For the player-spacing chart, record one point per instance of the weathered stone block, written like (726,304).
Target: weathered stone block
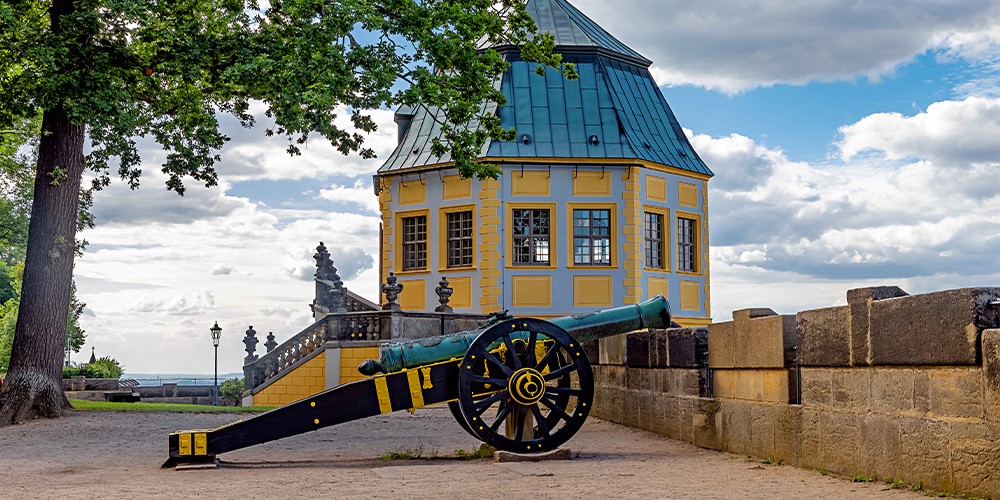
(859,301)
(705,422)
(817,386)
(880,446)
(893,389)
(991,373)
(974,457)
(593,350)
(630,412)
(767,342)
(685,410)
(778,386)
(649,413)
(686,347)
(824,336)
(612,350)
(743,336)
(788,434)
(852,389)
(736,426)
(670,426)
(771,385)
(637,349)
(811,439)
(924,452)
(841,441)
(721,345)
(632,381)
(957,392)
(763,418)
(688,382)
(647,378)
(940,328)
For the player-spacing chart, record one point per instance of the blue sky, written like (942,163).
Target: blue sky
(854,144)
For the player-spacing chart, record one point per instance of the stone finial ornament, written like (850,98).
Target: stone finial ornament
(324,264)
(250,341)
(270,344)
(391,288)
(443,292)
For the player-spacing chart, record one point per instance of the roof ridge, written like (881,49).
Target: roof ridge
(571,27)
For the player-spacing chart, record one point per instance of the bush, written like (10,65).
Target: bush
(106,367)
(231,392)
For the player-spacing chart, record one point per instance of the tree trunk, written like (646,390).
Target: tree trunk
(33,386)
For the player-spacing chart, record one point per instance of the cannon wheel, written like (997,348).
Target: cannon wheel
(561,399)
(557,390)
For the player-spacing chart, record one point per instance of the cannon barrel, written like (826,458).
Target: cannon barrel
(393,357)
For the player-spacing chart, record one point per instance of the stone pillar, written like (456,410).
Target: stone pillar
(859,300)
(991,374)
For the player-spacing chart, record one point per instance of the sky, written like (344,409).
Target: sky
(855,143)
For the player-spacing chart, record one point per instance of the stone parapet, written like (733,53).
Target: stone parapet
(756,338)
(890,386)
(940,328)
(824,336)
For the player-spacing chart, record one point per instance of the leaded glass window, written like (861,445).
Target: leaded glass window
(415,243)
(686,257)
(592,237)
(460,239)
(654,240)
(530,238)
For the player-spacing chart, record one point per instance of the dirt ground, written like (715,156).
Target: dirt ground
(118,455)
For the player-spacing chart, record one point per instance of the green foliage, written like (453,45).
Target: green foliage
(862,478)
(404,454)
(8,320)
(105,367)
(84,405)
(231,392)
(130,68)
(484,451)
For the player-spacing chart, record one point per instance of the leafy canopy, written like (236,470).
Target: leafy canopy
(165,68)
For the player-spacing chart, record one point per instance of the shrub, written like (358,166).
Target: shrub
(106,367)
(231,392)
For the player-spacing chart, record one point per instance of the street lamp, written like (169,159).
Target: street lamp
(216,335)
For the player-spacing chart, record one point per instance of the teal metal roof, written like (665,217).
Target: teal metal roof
(571,28)
(614,110)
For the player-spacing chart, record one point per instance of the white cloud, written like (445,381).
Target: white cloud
(733,45)
(250,155)
(961,133)
(917,209)
(359,196)
(199,303)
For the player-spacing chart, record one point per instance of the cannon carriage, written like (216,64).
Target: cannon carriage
(522,385)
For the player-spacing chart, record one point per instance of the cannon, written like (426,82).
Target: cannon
(523,385)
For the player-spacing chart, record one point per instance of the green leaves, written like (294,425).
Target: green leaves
(165,70)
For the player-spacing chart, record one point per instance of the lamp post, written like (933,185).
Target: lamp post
(216,335)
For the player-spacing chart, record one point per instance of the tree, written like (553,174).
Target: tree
(114,70)
(18,147)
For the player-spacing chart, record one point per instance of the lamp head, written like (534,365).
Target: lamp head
(216,333)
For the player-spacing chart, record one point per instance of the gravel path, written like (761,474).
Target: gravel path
(118,455)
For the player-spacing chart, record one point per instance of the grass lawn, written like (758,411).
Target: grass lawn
(83,405)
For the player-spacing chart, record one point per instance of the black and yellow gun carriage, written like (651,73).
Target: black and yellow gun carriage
(522,385)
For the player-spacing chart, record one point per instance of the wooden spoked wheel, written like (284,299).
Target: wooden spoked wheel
(528,375)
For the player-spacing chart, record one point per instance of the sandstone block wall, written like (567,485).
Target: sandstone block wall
(893,386)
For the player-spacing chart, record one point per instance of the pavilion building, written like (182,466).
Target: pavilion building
(602,199)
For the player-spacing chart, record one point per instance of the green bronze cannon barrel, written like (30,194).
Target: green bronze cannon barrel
(653,313)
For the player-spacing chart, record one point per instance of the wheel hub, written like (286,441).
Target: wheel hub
(526,386)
